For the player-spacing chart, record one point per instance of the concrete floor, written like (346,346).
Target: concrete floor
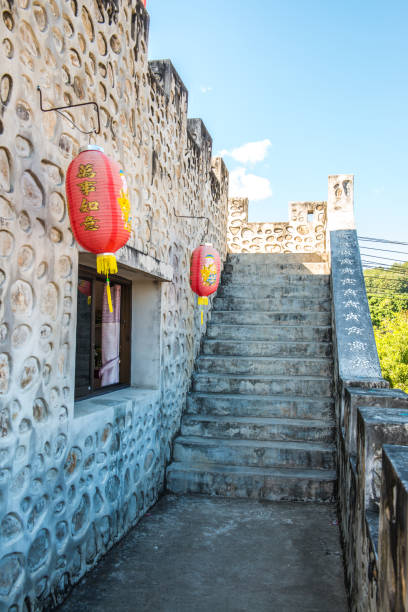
(199,554)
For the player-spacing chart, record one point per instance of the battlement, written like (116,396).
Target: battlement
(304,232)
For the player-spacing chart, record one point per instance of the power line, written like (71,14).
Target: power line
(382,257)
(385,265)
(382,240)
(383,250)
(367,267)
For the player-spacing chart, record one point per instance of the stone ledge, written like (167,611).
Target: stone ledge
(357,358)
(100,404)
(354,397)
(376,427)
(136,263)
(393,536)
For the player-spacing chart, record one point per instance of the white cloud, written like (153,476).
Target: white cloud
(251,152)
(205,88)
(243,185)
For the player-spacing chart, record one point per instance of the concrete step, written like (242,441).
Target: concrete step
(286,406)
(281,317)
(296,304)
(272,278)
(257,348)
(274,258)
(272,291)
(264,366)
(312,386)
(257,428)
(280,333)
(261,269)
(261,453)
(270,484)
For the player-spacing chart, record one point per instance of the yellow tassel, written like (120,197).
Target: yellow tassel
(202,317)
(108,295)
(106,264)
(89,300)
(203,301)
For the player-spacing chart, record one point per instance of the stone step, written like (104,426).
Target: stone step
(312,386)
(284,290)
(262,269)
(276,333)
(286,406)
(260,453)
(269,484)
(256,348)
(274,258)
(258,428)
(273,278)
(250,317)
(264,366)
(296,304)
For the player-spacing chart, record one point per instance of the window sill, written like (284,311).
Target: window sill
(134,264)
(113,400)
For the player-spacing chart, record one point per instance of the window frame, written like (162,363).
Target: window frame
(87,273)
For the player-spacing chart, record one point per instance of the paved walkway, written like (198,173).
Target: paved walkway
(199,554)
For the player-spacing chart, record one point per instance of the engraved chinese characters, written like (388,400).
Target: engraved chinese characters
(99,206)
(356,346)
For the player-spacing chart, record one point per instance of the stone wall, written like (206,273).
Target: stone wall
(304,232)
(73,481)
(369,415)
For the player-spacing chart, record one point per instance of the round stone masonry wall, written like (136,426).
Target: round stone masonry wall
(305,232)
(69,490)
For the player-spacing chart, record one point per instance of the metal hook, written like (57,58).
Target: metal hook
(58,110)
(193,217)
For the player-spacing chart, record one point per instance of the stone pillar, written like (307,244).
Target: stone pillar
(340,202)
(393,559)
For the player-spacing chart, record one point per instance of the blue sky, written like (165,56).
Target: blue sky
(320,86)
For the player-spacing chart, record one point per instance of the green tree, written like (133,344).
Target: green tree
(392,344)
(387,291)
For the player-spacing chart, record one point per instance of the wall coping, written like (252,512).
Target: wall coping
(106,403)
(136,262)
(357,356)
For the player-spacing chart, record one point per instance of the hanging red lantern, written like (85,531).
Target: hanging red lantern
(99,207)
(204,273)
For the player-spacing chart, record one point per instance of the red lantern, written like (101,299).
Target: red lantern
(99,207)
(204,273)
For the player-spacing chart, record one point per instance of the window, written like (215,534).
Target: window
(102,338)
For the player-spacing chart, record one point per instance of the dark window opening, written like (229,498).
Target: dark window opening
(102,338)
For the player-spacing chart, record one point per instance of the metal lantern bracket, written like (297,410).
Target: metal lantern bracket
(194,217)
(58,110)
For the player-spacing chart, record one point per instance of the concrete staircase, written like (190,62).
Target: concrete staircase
(259,421)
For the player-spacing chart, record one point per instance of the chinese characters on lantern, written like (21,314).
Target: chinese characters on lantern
(86,171)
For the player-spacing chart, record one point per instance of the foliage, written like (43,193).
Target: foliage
(387,291)
(392,344)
